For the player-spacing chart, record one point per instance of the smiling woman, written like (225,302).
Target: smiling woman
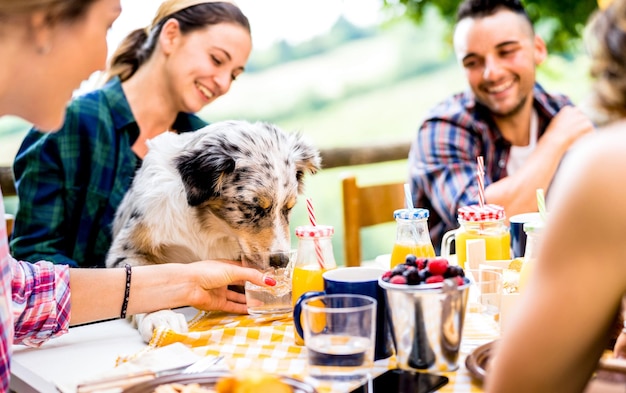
(158,77)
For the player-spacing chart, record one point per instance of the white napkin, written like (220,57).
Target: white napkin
(156,360)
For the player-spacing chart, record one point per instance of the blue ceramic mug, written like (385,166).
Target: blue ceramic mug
(360,281)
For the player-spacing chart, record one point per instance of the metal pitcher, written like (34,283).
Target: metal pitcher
(427,323)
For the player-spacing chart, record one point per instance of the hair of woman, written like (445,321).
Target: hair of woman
(139,45)
(57,10)
(606,44)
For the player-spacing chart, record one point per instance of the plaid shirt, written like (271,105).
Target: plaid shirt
(442,159)
(71,182)
(34,302)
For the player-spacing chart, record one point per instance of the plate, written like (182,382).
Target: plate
(477,362)
(208,380)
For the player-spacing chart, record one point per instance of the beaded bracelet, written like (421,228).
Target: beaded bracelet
(126,291)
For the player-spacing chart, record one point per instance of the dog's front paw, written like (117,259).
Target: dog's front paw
(147,323)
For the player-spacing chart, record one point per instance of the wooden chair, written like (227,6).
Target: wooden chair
(9,219)
(363,207)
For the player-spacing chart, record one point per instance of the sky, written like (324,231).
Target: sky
(271,20)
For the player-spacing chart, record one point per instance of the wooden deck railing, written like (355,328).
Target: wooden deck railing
(331,158)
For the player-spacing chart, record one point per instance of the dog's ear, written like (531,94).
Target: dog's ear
(307,158)
(201,170)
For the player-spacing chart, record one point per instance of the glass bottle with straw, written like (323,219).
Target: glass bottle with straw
(412,236)
(315,256)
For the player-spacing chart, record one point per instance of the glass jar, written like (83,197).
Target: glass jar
(534,232)
(475,222)
(412,236)
(315,256)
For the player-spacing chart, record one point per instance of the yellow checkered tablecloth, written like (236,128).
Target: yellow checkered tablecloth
(267,343)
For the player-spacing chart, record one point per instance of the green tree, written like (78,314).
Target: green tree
(560,22)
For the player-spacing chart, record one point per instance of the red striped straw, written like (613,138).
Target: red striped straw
(318,247)
(481,181)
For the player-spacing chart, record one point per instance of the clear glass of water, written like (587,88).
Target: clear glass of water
(270,300)
(339,334)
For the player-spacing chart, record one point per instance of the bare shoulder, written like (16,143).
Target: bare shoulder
(597,157)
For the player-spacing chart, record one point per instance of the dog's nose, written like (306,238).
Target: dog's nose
(279,260)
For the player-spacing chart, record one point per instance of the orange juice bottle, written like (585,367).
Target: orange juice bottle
(412,236)
(487,222)
(315,256)
(533,236)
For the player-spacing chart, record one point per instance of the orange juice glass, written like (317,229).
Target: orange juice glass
(315,256)
(486,222)
(412,236)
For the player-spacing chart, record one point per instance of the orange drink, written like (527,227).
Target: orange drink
(498,245)
(315,256)
(485,222)
(412,236)
(304,279)
(400,251)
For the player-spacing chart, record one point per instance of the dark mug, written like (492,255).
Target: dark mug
(357,280)
(518,236)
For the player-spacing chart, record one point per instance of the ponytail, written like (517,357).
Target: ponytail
(132,52)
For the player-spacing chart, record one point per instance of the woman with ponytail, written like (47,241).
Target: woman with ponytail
(39,300)
(157,79)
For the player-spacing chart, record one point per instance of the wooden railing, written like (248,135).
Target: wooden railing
(331,158)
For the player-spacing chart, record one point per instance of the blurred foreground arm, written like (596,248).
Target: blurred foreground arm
(575,291)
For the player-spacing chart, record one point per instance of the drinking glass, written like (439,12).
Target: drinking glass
(264,299)
(339,334)
(485,298)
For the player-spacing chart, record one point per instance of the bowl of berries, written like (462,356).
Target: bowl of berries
(426,300)
(424,273)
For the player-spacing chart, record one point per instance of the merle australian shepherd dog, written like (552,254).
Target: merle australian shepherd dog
(212,194)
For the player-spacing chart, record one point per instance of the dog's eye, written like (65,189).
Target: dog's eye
(264,203)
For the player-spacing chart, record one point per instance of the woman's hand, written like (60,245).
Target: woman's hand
(213,278)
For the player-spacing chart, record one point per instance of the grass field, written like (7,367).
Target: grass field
(360,100)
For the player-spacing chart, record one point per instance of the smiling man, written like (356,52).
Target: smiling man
(521,130)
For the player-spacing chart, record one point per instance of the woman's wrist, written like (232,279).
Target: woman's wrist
(159,287)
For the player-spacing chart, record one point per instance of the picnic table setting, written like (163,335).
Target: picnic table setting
(415,322)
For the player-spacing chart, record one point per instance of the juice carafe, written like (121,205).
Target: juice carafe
(533,236)
(476,222)
(412,236)
(315,256)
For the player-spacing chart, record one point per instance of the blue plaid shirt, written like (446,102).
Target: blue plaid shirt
(442,159)
(70,182)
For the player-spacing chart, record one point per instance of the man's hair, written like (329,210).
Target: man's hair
(483,8)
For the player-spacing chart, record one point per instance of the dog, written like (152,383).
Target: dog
(215,193)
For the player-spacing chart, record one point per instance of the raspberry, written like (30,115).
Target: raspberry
(421,263)
(438,266)
(459,280)
(434,279)
(386,275)
(399,279)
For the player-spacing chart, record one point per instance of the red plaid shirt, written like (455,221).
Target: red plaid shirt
(34,302)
